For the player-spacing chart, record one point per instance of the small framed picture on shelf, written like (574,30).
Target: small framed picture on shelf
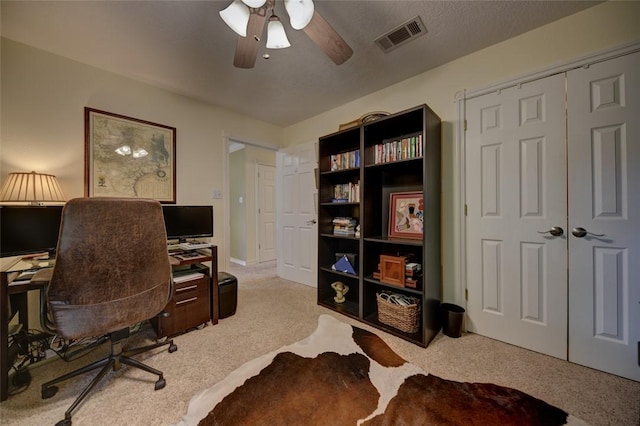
(406,215)
(392,270)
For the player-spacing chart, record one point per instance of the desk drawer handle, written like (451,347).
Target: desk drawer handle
(191,287)
(191,299)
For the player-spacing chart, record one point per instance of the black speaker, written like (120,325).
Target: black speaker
(228,291)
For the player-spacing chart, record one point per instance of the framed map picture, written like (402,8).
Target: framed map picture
(406,215)
(128,157)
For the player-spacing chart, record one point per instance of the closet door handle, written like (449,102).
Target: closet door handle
(556,231)
(580,232)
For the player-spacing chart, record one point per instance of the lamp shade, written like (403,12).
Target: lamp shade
(32,187)
(276,37)
(300,12)
(254,3)
(236,16)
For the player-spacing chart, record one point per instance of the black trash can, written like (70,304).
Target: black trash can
(452,316)
(228,294)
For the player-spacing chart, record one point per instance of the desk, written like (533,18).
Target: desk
(10,272)
(7,275)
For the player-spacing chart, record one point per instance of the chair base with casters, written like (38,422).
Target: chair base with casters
(114,362)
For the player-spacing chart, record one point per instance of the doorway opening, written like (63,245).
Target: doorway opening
(250,240)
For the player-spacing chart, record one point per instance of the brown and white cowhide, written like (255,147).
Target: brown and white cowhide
(344,375)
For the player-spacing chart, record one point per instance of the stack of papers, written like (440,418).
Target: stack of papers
(187,277)
(193,245)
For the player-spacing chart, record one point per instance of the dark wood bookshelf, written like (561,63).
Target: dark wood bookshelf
(377,182)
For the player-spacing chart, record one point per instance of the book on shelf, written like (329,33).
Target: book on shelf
(344,221)
(399,149)
(351,257)
(345,160)
(343,230)
(343,265)
(346,193)
(345,226)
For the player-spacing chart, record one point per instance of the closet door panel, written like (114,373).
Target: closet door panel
(604,199)
(516,192)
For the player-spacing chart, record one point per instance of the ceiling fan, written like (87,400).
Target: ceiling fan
(248,17)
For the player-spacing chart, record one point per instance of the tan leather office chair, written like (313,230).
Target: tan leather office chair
(112,271)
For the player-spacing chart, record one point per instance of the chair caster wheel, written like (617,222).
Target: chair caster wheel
(160,384)
(50,392)
(172,348)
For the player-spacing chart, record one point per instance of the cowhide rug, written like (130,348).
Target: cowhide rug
(344,375)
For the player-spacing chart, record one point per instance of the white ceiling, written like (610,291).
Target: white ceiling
(185,47)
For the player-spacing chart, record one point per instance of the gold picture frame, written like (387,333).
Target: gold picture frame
(128,157)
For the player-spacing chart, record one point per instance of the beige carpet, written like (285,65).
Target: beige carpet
(273,312)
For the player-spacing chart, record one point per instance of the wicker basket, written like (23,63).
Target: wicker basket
(404,318)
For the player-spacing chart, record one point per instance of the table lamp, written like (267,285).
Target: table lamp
(33,187)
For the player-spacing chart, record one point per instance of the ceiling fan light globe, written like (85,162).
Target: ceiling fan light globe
(276,36)
(300,12)
(254,3)
(236,16)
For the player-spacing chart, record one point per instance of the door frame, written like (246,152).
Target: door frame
(459,149)
(228,139)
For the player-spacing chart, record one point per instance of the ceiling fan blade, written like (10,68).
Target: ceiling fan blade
(247,47)
(328,39)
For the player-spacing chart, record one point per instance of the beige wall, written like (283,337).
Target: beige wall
(237,210)
(594,29)
(43,98)
(597,28)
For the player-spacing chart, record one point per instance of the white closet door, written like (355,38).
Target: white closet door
(516,188)
(604,198)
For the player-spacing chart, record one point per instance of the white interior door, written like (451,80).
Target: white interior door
(297,232)
(516,191)
(266,213)
(604,198)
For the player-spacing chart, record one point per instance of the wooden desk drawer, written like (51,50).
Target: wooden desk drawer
(188,308)
(196,288)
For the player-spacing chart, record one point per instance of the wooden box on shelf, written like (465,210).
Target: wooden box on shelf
(392,270)
(400,271)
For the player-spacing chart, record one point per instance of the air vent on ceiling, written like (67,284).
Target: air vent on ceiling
(401,34)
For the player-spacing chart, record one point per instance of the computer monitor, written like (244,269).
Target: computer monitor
(183,222)
(29,229)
